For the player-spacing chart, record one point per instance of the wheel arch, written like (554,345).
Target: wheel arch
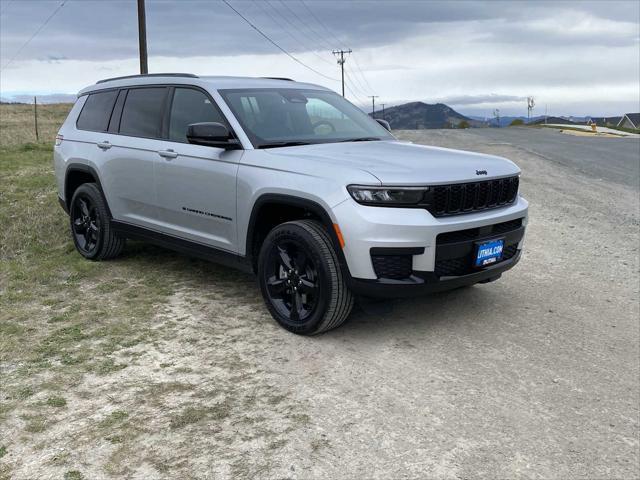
(77,174)
(293,208)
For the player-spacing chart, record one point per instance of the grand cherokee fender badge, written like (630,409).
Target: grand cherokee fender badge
(481,172)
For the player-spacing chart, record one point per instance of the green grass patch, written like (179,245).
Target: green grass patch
(35,423)
(73,475)
(57,402)
(116,417)
(196,414)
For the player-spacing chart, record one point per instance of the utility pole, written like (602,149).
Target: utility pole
(142,37)
(383,111)
(341,63)
(373,103)
(530,104)
(35,115)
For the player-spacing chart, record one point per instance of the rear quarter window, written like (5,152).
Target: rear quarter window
(96,111)
(142,112)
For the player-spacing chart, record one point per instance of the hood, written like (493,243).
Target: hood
(400,163)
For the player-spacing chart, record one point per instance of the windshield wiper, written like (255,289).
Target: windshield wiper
(361,139)
(283,144)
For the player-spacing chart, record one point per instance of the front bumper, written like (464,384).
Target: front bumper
(421,283)
(368,229)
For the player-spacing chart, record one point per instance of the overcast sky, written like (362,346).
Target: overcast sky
(576,58)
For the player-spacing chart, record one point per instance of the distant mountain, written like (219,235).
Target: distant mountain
(550,119)
(418,115)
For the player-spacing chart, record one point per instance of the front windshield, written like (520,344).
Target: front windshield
(273,117)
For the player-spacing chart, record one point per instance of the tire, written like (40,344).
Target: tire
(301,280)
(91,226)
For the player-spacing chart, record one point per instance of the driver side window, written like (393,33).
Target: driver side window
(190,106)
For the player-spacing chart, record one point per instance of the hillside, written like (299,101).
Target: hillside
(418,115)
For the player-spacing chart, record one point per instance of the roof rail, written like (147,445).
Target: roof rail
(280,78)
(187,75)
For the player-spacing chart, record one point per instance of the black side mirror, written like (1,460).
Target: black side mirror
(384,123)
(211,134)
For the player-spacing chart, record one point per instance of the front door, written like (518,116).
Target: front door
(195,184)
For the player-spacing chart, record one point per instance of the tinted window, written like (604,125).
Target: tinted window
(96,111)
(114,123)
(190,106)
(142,112)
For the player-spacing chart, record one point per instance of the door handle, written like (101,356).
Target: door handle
(104,145)
(168,154)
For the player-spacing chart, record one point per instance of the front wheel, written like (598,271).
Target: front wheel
(301,279)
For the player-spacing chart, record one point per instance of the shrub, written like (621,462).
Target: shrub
(463,124)
(516,122)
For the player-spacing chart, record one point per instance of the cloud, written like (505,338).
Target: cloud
(491,99)
(573,54)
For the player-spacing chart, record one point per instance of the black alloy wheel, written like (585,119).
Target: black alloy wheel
(91,226)
(85,223)
(301,279)
(292,280)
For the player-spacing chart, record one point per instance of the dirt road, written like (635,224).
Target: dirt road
(533,376)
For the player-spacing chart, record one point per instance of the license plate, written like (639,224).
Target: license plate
(489,252)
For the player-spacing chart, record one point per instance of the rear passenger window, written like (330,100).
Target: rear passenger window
(142,112)
(190,106)
(96,111)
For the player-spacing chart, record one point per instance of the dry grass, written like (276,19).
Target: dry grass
(17,123)
(144,366)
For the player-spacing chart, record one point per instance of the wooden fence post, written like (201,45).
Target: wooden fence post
(35,116)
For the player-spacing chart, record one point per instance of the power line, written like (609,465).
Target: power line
(276,45)
(282,27)
(302,22)
(357,84)
(338,40)
(349,81)
(34,34)
(355,62)
(322,24)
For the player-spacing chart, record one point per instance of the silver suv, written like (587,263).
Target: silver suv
(286,180)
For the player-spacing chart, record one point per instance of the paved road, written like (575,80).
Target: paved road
(613,159)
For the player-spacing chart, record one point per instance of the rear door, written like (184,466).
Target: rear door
(196,185)
(131,151)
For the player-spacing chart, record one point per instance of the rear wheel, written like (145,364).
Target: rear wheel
(92,233)
(301,280)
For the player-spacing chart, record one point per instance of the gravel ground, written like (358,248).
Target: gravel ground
(533,376)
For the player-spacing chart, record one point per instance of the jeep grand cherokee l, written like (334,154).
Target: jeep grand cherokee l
(286,180)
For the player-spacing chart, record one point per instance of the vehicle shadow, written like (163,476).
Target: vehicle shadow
(462,307)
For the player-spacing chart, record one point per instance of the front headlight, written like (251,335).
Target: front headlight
(390,196)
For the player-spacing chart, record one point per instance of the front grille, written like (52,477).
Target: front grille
(476,233)
(443,200)
(395,267)
(454,267)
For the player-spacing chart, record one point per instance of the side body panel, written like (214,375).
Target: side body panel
(127,171)
(197,193)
